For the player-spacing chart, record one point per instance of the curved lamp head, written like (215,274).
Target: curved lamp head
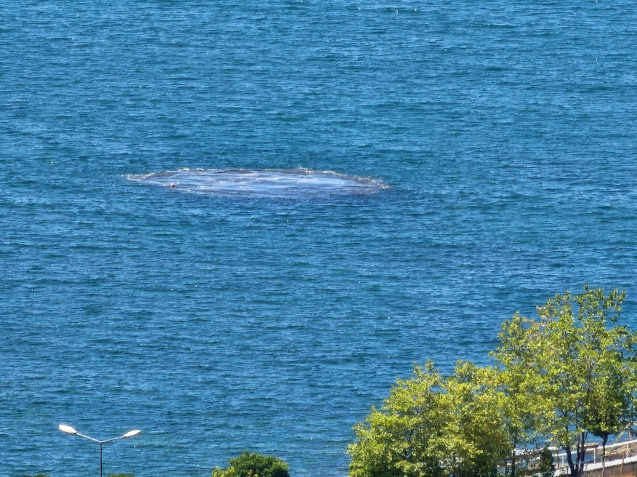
(131,434)
(67,429)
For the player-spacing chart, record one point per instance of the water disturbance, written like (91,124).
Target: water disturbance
(262,183)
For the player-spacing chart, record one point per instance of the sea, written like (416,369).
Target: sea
(233,225)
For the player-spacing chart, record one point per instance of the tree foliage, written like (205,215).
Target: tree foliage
(406,436)
(555,379)
(477,433)
(254,465)
(582,368)
(430,426)
(516,377)
(546,467)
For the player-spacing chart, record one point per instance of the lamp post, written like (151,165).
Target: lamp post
(70,430)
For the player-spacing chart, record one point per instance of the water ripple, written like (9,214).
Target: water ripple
(262,182)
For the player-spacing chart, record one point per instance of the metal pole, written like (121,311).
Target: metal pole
(70,430)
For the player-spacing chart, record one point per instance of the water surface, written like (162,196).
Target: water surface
(217,323)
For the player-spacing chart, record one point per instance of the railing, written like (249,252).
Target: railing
(594,454)
(616,454)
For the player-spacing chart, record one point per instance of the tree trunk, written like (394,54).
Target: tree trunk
(513,464)
(580,453)
(583,459)
(569,458)
(604,440)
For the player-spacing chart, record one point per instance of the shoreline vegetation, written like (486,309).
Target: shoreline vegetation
(555,381)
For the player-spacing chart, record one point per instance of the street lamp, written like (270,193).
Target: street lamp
(70,430)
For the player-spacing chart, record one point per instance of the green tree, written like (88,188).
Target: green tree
(519,381)
(254,465)
(430,426)
(406,436)
(610,412)
(546,467)
(556,379)
(581,366)
(476,435)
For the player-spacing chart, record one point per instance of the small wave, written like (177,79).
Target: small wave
(262,182)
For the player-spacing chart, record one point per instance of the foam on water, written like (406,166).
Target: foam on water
(262,182)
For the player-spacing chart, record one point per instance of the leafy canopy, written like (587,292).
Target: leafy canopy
(556,379)
(580,365)
(254,465)
(430,426)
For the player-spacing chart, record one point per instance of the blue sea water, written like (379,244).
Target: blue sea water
(216,324)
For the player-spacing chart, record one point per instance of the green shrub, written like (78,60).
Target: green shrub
(254,465)
(546,466)
(120,475)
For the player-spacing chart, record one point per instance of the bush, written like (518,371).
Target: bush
(254,465)
(546,467)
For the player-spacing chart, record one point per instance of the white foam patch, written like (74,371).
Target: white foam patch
(262,182)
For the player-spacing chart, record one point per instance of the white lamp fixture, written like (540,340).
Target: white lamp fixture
(70,430)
